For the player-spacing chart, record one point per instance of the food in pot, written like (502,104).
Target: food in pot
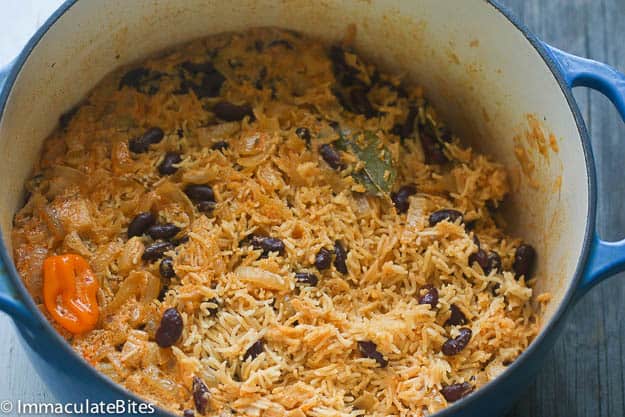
(259,224)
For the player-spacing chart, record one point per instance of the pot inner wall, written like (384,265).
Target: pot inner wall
(483,75)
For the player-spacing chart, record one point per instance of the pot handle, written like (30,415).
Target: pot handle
(605,258)
(10,300)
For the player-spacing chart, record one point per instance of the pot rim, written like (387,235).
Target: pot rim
(450,410)
(560,314)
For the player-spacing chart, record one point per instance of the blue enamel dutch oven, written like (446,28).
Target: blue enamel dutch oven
(485,71)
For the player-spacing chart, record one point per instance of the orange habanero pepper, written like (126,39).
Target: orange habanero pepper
(69,292)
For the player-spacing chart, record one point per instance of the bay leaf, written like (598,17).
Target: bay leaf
(378,173)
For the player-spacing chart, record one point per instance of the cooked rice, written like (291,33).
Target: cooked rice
(88,186)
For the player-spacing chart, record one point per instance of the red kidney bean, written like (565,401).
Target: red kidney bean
(401,198)
(524,261)
(307,278)
(201,395)
(454,392)
(170,329)
(266,244)
(142,143)
(138,145)
(140,224)
(430,297)
(166,167)
(331,156)
(272,244)
(230,112)
(481,257)
(340,257)
(199,192)
(445,214)
(489,261)
(323,259)
(456,318)
(163,231)
(256,349)
(456,345)
(166,268)
(156,250)
(369,350)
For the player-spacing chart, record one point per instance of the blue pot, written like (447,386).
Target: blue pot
(83,40)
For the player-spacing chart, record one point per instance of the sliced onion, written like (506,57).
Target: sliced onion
(61,178)
(261,278)
(169,192)
(134,286)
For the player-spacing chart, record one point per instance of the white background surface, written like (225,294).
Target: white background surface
(18,21)
(18,381)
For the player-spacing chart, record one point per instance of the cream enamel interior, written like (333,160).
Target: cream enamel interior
(480,71)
